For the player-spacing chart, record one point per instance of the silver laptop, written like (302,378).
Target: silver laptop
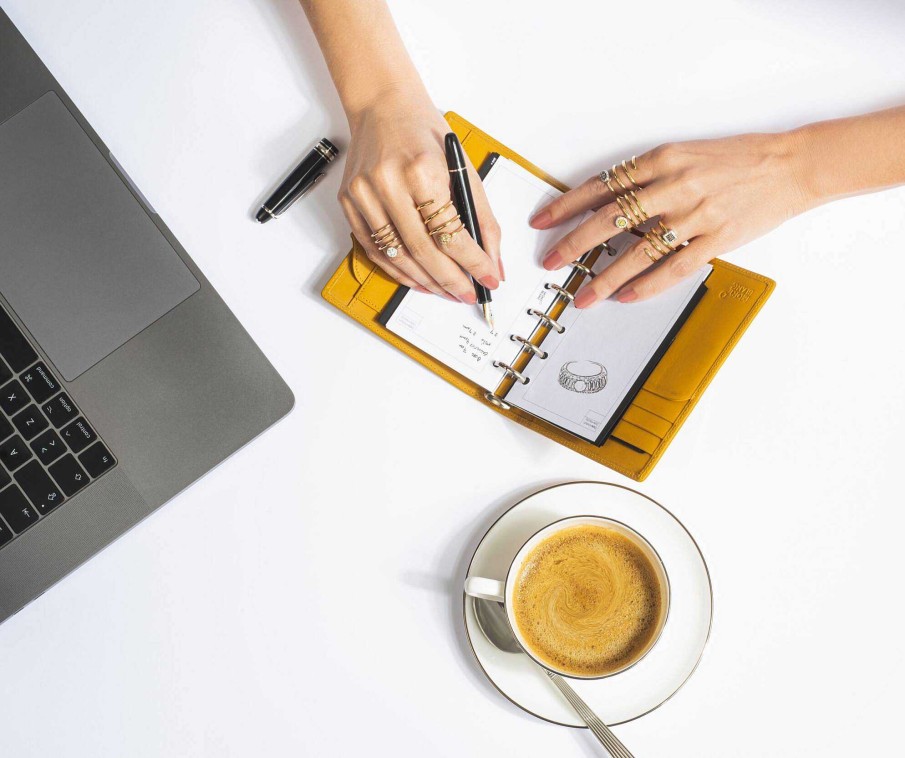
(123,375)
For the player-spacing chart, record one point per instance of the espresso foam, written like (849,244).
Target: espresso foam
(587,601)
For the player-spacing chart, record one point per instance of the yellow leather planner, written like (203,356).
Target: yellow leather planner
(701,323)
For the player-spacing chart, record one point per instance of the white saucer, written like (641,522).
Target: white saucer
(656,677)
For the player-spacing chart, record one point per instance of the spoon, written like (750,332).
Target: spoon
(491,617)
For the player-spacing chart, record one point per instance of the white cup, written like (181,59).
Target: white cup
(501,591)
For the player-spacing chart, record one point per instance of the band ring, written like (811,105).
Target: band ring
(437,212)
(438,229)
(425,204)
(629,173)
(650,255)
(378,232)
(618,180)
(657,244)
(634,198)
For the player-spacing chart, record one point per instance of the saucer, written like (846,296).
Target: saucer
(652,680)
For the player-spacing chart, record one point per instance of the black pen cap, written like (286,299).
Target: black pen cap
(454,152)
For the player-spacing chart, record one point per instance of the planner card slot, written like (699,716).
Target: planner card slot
(637,437)
(648,421)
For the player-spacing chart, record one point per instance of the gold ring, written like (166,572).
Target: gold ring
(632,198)
(384,237)
(634,165)
(392,242)
(628,211)
(618,180)
(650,255)
(657,243)
(621,222)
(608,181)
(437,212)
(629,174)
(381,230)
(447,237)
(442,226)
(421,206)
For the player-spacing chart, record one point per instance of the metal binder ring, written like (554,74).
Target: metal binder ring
(561,290)
(509,370)
(547,320)
(584,269)
(542,354)
(497,401)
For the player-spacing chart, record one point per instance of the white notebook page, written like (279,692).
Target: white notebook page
(456,334)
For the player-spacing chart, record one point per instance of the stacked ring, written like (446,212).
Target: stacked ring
(661,247)
(440,232)
(386,239)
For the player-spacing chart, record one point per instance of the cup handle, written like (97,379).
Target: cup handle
(486,589)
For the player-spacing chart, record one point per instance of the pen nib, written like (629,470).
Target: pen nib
(488,315)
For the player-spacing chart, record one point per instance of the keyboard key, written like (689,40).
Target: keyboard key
(30,422)
(4,478)
(60,410)
(6,428)
(16,510)
(13,345)
(48,447)
(97,459)
(42,492)
(6,534)
(13,453)
(13,398)
(40,383)
(69,475)
(5,373)
(78,435)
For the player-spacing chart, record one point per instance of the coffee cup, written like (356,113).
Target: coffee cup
(585,596)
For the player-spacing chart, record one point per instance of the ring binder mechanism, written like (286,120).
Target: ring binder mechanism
(511,371)
(561,290)
(542,354)
(550,322)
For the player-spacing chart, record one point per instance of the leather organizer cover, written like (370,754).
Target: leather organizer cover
(733,298)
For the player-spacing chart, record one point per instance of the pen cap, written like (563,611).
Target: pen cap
(327,149)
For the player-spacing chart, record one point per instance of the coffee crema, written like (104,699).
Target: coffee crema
(588,601)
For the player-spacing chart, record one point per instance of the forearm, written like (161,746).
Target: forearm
(852,156)
(363,50)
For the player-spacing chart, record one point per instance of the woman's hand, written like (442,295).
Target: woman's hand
(396,162)
(715,194)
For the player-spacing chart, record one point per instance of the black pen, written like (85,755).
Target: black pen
(464,202)
(301,179)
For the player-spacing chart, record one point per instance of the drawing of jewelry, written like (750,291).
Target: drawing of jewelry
(582,376)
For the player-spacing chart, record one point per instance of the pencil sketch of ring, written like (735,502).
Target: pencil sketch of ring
(586,377)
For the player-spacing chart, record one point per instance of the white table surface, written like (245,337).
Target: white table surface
(303,599)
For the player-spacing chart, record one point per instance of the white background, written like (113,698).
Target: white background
(303,599)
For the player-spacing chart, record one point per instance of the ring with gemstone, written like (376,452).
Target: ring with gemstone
(392,251)
(446,238)
(605,176)
(670,237)
(621,222)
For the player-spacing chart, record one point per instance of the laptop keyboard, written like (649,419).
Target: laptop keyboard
(48,450)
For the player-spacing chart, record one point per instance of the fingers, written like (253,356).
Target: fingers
(414,277)
(490,229)
(593,193)
(634,261)
(606,224)
(673,270)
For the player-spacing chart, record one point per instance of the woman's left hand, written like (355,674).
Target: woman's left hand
(715,194)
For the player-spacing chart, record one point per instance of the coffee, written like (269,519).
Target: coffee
(588,601)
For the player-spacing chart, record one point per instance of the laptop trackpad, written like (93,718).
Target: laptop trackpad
(81,262)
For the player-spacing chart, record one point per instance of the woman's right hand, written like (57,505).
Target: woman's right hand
(396,162)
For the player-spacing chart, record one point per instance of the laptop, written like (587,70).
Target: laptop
(123,375)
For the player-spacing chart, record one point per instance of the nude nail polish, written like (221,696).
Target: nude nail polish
(541,220)
(585,298)
(552,260)
(627,296)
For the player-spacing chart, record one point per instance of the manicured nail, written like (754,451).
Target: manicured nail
(627,296)
(469,298)
(490,282)
(502,271)
(419,288)
(552,260)
(585,298)
(541,220)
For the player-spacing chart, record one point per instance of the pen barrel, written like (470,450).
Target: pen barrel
(464,202)
(302,178)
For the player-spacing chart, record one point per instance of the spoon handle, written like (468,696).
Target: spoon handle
(600,730)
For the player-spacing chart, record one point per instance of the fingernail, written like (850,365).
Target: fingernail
(627,296)
(552,261)
(541,220)
(469,298)
(502,272)
(421,289)
(490,282)
(448,296)
(585,298)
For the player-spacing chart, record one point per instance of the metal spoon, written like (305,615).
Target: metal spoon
(491,617)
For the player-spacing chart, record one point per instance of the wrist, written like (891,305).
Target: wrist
(401,96)
(799,148)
